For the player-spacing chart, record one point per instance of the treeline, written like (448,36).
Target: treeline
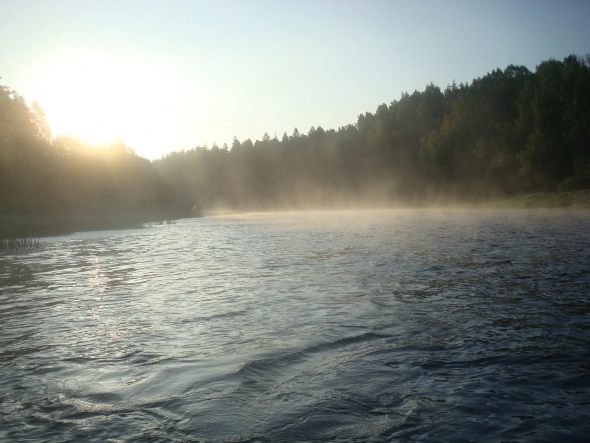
(508,132)
(44,176)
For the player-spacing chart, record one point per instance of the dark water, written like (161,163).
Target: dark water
(368,326)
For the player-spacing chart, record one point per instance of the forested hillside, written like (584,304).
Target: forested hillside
(508,132)
(45,176)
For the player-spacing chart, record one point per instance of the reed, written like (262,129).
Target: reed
(20,243)
(151,224)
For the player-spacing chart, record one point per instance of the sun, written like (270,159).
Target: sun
(100,99)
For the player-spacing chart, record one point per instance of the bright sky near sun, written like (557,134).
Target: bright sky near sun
(170,75)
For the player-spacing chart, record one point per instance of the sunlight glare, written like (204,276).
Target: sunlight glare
(101,99)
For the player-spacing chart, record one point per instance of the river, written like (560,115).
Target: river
(407,325)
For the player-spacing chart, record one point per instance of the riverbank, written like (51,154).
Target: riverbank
(36,226)
(546,200)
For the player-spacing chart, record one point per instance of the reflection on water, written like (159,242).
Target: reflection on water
(382,326)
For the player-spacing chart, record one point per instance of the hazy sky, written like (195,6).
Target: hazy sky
(170,75)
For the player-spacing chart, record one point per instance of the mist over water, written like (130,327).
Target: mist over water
(407,325)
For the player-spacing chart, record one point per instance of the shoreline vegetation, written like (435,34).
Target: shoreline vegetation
(509,139)
(26,230)
(543,200)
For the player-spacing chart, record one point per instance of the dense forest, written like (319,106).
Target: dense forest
(508,132)
(42,176)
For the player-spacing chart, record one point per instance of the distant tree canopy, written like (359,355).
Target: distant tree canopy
(507,132)
(41,176)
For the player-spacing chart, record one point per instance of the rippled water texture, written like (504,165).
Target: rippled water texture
(359,326)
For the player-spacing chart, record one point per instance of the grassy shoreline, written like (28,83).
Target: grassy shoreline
(545,200)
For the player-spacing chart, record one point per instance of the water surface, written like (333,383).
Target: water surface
(360,326)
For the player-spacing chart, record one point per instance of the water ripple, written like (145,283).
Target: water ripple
(359,326)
